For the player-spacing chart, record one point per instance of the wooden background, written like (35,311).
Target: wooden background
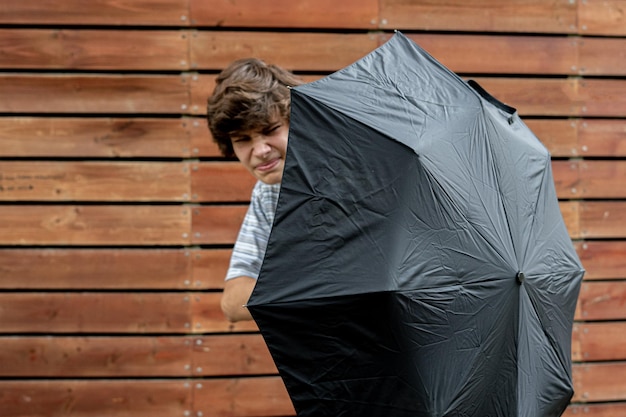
(118,213)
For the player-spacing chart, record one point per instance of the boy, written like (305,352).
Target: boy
(248,115)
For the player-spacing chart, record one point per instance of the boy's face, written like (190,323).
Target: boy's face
(262,151)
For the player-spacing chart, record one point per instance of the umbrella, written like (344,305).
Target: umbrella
(418,264)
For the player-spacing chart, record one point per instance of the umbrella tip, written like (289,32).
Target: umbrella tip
(520,277)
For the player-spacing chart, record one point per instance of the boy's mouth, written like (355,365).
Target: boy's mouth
(268,166)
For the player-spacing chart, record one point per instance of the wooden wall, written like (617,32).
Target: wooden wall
(118,212)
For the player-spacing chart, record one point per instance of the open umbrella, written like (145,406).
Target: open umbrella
(419,264)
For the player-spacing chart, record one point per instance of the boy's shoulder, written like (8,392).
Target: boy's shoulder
(261,188)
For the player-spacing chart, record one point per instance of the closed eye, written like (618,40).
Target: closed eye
(239,139)
(271,129)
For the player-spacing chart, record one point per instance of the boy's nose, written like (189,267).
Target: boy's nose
(261,148)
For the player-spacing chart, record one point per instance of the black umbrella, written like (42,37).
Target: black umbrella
(419,264)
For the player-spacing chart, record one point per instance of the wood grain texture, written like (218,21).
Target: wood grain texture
(263,396)
(92,398)
(105,137)
(483,15)
(221,181)
(89,49)
(95,181)
(602,17)
(95,225)
(328,14)
(590,179)
(180,50)
(602,301)
(181,95)
(94,93)
(209,225)
(113,269)
(603,259)
(131,356)
(602,341)
(596,410)
(299,51)
(115,312)
(97,12)
(599,382)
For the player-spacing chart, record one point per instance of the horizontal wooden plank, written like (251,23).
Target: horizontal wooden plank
(210,225)
(598,17)
(243,397)
(581,137)
(590,179)
(206,356)
(323,52)
(186,94)
(217,225)
(132,356)
(105,137)
(41,357)
(603,259)
(95,93)
(174,50)
(85,398)
(202,269)
(506,54)
(613,409)
(220,224)
(98,12)
(602,137)
(602,97)
(602,301)
(560,97)
(113,269)
(602,17)
(559,136)
(604,341)
(599,382)
(94,181)
(232,397)
(347,14)
(221,181)
(530,96)
(94,49)
(95,225)
(95,313)
(229,181)
(119,225)
(237,354)
(485,15)
(602,219)
(461,53)
(602,56)
(195,312)
(114,312)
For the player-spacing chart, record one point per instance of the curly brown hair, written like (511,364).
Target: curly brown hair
(249,95)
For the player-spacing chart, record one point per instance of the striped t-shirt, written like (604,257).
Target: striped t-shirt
(251,243)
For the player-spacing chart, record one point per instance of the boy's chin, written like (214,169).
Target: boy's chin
(271,179)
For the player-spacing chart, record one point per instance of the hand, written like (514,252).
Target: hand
(236,294)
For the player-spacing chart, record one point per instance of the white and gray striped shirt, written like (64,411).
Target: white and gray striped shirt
(251,243)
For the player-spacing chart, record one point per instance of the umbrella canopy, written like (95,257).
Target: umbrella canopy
(419,264)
